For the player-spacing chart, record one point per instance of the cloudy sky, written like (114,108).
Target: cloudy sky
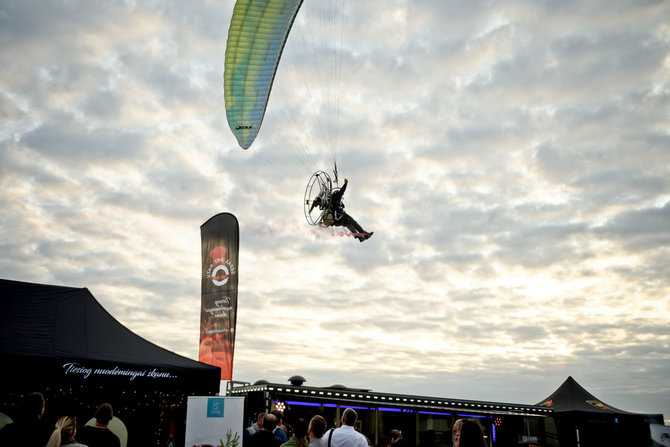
(512,158)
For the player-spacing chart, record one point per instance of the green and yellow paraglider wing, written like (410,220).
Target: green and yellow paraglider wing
(256,38)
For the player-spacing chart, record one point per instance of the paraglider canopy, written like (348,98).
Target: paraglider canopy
(256,38)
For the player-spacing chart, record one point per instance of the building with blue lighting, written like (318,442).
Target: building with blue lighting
(569,417)
(418,417)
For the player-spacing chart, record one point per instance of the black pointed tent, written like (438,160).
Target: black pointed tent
(62,342)
(584,420)
(571,396)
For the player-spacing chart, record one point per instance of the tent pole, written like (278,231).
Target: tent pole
(577,432)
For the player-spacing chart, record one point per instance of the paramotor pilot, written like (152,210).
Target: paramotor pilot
(334,214)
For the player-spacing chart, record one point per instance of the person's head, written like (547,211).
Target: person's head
(33,405)
(396,435)
(270,422)
(259,420)
(104,414)
(279,415)
(456,431)
(349,417)
(317,426)
(64,430)
(300,428)
(471,434)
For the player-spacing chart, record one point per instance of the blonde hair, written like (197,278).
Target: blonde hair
(65,428)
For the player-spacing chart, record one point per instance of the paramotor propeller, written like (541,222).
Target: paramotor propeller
(317,197)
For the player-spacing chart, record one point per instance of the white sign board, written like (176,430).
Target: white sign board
(660,434)
(214,421)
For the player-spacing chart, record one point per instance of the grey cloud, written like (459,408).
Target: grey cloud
(65,138)
(9,109)
(644,221)
(103,104)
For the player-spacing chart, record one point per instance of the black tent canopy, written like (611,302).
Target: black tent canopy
(586,421)
(68,336)
(62,342)
(571,396)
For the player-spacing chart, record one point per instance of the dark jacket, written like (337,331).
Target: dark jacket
(264,438)
(97,437)
(336,199)
(30,433)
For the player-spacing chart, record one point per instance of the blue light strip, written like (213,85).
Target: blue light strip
(387,409)
(304,404)
(317,404)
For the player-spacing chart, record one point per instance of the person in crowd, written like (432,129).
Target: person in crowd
(28,429)
(384,441)
(299,438)
(456,431)
(280,431)
(265,437)
(315,431)
(397,440)
(471,434)
(253,428)
(346,435)
(99,435)
(64,433)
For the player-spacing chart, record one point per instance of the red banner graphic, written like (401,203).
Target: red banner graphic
(220,248)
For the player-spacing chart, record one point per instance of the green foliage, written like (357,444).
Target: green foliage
(231,441)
